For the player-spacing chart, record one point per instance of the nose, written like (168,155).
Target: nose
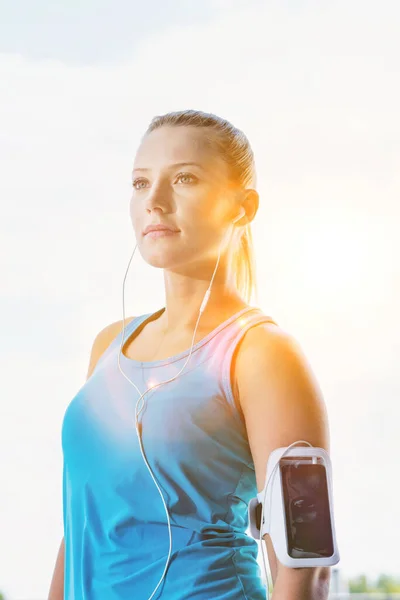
(158,196)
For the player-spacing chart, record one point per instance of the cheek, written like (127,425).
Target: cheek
(200,215)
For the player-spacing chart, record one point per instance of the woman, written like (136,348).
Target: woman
(208,433)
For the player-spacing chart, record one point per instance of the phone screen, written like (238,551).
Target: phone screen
(306,502)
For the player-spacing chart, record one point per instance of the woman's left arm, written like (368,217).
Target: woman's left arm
(282,403)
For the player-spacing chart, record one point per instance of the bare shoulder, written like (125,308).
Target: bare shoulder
(271,353)
(102,341)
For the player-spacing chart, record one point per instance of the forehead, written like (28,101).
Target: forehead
(173,144)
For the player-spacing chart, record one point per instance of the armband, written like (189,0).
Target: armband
(296,506)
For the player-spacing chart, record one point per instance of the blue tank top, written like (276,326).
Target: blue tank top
(194,438)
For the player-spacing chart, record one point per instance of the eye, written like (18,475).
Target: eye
(140,183)
(139,180)
(186,176)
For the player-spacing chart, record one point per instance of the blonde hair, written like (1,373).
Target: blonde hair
(235,149)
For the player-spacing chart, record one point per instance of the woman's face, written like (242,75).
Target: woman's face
(180,181)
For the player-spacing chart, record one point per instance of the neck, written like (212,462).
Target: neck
(184,296)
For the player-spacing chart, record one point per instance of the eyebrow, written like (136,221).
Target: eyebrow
(179,164)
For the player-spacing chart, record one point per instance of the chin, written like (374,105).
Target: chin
(160,259)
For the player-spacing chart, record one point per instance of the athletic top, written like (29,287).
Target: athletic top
(194,439)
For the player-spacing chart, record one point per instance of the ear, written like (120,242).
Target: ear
(249,199)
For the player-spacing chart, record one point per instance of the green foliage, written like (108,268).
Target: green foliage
(359,584)
(384,584)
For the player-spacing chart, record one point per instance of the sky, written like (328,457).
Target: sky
(316,88)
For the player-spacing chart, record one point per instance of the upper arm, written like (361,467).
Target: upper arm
(281,403)
(102,341)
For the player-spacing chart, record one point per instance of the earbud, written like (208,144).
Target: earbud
(242,214)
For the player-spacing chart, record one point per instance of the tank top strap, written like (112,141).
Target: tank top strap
(130,328)
(116,342)
(232,342)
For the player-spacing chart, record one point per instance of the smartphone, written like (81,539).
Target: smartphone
(306,506)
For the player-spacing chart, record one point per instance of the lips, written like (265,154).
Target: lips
(159,227)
